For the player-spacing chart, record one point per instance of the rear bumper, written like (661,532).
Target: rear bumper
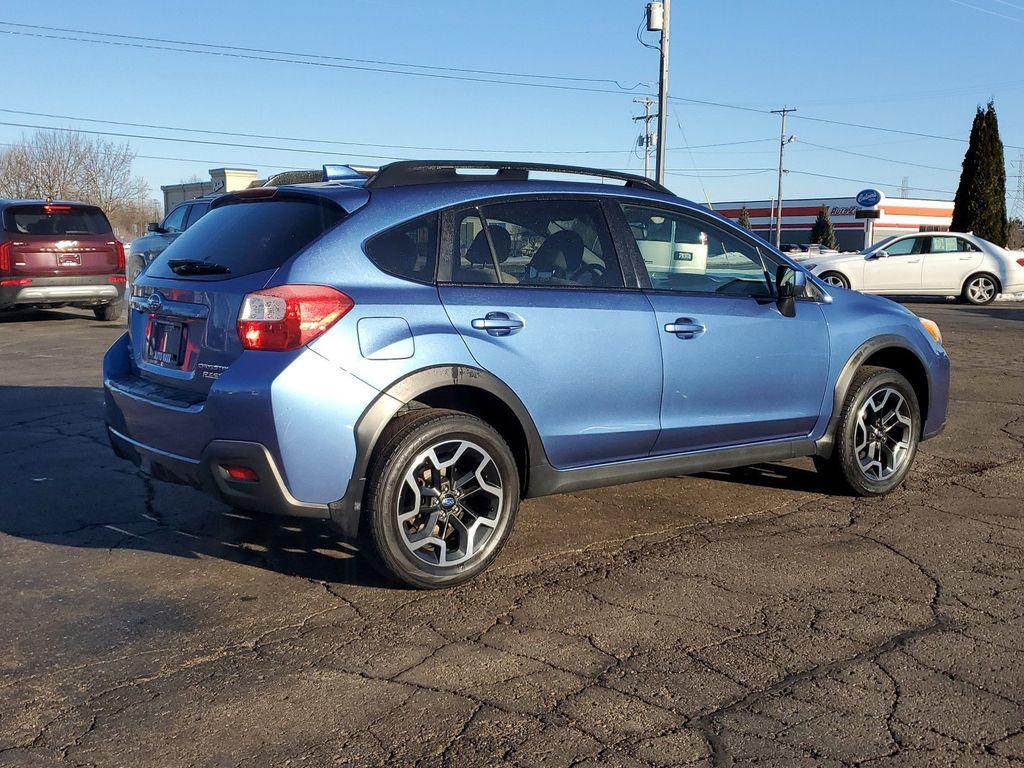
(208,473)
(62,290)
(288,416)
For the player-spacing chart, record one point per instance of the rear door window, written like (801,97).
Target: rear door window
(242,238)
(56,219)
(548,243)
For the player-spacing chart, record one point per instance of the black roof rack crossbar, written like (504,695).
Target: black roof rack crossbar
(405,173)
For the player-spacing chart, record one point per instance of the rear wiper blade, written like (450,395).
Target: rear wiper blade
(193,267)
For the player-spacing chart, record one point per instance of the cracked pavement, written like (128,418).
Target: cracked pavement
(742,617)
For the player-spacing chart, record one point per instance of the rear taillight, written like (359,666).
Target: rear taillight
(5,256)
(16,281)
(289,316)
(120,255)
(1021,262)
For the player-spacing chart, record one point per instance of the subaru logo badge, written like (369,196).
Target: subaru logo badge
(869,198)
(154,302)
(447,502)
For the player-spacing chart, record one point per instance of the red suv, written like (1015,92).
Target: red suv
(57,254)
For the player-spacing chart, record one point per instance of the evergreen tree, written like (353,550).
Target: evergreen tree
(980,204)
(744,220)
(823,232)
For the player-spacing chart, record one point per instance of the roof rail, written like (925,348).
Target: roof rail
(408,172)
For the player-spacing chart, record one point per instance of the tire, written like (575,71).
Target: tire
(873,395)
(109,312)
(835,279)
(410,550)
(980,289)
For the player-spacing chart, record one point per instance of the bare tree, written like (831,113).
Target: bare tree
(72,166)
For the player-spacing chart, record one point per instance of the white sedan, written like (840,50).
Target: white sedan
(927,264)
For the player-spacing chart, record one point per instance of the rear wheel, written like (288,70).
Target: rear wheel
(835,279)
(109,312)
(980,289)
(442,497)
(877,435)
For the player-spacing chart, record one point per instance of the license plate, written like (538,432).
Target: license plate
(684,256)
(165,343)
(69,260)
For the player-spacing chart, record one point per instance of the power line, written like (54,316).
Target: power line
(307,140)
(876,157)
(869,181)
(235,53)
(326,57)
(890,130)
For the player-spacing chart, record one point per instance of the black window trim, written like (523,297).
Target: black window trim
(446,258)
(438,224)
(728,227)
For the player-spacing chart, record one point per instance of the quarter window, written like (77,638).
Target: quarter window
(409,250)
(551,243)
(687,253)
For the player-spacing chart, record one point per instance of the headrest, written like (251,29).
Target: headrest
(561,251)
(480,253)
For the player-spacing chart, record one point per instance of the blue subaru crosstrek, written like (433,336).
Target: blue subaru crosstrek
(410,352)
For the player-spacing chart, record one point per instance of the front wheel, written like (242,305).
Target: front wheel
(980,290)
(877,435)
(835,279)
(442,497)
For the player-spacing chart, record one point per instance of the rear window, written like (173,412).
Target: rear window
(243,238)
(56,219)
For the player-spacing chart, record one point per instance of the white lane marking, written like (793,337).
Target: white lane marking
(122,530)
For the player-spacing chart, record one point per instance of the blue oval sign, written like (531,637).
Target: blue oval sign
(869,198)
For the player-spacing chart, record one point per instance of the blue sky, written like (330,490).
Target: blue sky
(917,65)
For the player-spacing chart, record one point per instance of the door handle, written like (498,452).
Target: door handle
(966,258)
(685,328)
(498,324)
(914,261)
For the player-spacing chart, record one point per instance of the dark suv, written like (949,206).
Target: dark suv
(144,249)
(57,254)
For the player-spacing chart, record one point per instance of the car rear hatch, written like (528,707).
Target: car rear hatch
(185,308)
(59,240)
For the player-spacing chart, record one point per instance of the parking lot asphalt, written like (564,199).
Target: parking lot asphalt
(735,618)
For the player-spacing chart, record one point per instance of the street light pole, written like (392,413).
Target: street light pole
(659,164)
(783,141)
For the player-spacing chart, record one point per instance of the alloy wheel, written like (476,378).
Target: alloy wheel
(834,280)
(981,289)
(883,435)
(450,502)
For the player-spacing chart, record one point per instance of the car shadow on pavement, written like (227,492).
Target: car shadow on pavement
(779,476)
(63,485)
(38,315)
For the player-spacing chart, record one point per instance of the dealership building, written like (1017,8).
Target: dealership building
(857,224)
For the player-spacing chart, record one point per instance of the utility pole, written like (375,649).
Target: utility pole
(658,21)
(783,141)
(905,188)
(647,140)
(1018,203)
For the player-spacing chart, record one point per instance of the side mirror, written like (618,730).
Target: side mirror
(789,284)
(882,254)
(153,227)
